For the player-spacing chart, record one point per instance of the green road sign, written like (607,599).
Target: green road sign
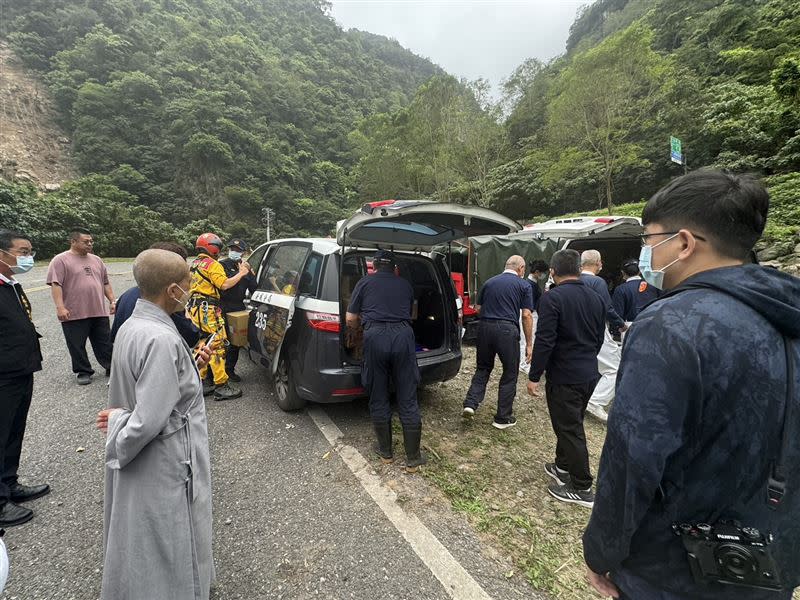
(675,154)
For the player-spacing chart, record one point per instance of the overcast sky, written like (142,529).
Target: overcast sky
(468,38)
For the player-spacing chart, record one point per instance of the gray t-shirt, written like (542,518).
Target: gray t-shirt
(81,279)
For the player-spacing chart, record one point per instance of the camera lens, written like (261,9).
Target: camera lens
(735,561)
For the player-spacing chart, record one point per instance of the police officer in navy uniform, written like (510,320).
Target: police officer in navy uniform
(383,302)
(500,301)
(20,358)
(232,299)
(631,297)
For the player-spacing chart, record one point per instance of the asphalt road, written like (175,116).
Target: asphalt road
(293,516)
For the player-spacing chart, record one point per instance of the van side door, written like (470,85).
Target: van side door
(274,300)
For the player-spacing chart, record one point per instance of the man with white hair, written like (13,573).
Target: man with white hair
(610,353)
(500,301)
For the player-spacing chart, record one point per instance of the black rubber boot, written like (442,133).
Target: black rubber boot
(383,447)
(412,436)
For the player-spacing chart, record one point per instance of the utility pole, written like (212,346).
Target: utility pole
(267,216)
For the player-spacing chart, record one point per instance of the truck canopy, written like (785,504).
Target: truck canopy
(488,254)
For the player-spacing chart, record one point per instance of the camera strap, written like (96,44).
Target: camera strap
(776,484)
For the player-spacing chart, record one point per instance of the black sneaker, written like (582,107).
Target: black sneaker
(559,476)
(568,493)
(84,378)
(234,377)
(504,423)
(208,388)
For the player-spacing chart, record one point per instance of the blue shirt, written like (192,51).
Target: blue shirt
(631,297)
(127,302)
(569,334)
(599,285)
(503,296)
(382,297)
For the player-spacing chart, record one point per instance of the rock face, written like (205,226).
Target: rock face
(784,256)
(33,149)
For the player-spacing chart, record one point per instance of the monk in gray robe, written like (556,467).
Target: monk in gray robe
(158,474)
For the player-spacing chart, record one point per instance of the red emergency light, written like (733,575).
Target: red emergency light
(604,220)
(371,206)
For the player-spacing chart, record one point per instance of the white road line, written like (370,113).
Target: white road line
(458,584)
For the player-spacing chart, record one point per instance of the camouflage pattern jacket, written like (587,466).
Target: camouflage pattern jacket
(696,426)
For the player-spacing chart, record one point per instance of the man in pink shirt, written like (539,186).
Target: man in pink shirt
(79,284)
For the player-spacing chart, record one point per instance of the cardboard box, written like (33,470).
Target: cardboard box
(237,326)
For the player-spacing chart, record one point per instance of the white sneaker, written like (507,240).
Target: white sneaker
(597,412)
(468,412)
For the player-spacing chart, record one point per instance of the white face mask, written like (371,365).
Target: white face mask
(183,301)
(654,277)
(234,255)
(24,264)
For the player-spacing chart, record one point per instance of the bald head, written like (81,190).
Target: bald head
(515,263)
(156,270)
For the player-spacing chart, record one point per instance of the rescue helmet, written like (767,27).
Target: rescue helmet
(208,243)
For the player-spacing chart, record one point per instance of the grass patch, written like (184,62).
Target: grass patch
(496,479)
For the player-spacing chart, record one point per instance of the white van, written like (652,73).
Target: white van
(616,238)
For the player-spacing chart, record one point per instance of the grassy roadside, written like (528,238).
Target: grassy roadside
(496,478)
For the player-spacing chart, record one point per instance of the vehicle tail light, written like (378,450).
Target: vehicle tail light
(356,391)
(324,321)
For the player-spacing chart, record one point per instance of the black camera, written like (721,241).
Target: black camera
(728,553)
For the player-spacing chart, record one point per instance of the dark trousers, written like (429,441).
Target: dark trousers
(98,332)
(231,351)
(567,405)
(390,355)
(496,338)
(15,400)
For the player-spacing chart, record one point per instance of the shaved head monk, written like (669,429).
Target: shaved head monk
(158,471)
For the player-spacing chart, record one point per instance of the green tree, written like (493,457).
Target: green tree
(598,126)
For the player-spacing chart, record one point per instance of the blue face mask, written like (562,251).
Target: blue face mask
(654,277)
(24,264)
(234,255)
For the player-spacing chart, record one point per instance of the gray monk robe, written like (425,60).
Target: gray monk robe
(158,472)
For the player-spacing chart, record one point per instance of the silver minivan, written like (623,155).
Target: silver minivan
(304,287)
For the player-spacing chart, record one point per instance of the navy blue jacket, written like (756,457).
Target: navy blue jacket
(569,334)
(127,302)
(631,297)
(599,285)
(695,425)
(503,296)
(536,293)
(382,297)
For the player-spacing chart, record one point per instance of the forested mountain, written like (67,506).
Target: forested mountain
(215,108)
(591,128)
(201,113)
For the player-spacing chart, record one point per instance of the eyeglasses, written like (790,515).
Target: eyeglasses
(21,252)
(643,237)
